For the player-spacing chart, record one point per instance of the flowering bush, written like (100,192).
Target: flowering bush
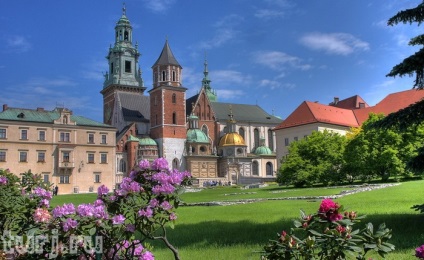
(115,226)
(329,234)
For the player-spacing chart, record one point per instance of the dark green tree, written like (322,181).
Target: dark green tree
(376,152)
(315,159)
(414,63)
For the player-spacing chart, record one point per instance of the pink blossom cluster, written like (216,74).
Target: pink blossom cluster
(118,219)
(128,186)
(41,215)
(69,224)
(329,210)
(66,209)
(419,252)
(90,210)
(160,164)
(146,212)
(3,180)
(167,181)
(102,190)
(136,249)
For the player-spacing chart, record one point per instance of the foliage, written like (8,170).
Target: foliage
(376,152)
(315,159)
(415,62)
(115,226)
(329,234)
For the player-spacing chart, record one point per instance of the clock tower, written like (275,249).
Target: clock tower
(123,75)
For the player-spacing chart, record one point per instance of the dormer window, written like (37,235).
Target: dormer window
(65,120)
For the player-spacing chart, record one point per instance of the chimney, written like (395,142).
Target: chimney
(5,107)
(361,105)
(336,100)
(40,109)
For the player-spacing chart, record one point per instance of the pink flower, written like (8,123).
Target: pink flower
(69,224)
(172,216)
(419,252)
(329,210)
(147,212)
(160,164)
(41,215)
(118,219)
(3,180)
(144,164)
(102,190)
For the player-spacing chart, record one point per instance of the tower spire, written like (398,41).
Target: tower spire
(124,9)
(206,82)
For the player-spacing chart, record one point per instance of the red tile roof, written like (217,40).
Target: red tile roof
(312,112)
(353,102)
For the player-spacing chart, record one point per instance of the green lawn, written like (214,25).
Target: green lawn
(238,231)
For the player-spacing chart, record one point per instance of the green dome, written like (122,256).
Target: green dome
(263,150)
(196,136)
(147,141)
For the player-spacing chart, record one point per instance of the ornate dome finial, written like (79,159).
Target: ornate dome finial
(124,9)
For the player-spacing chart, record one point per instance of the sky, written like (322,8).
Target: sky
(273,53)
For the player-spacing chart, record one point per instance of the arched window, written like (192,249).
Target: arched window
(122,166)
(270,140)
(256,137)
(241,132)
(205,130)
(255,168)
(175,164)
(163,76)
(269,170)
(174,118)
(174,98)
(225,130)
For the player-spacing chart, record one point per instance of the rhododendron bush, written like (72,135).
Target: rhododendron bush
(116,225)
(329,234)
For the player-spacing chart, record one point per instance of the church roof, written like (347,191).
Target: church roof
(231,139)
(196,136)
(166,57)
(243,113)
(263,150)
(353,102)
(135,107)
(43,116)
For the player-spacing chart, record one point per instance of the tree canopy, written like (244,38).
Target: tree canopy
(415,62)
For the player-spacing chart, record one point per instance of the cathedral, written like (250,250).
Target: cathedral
(218,143)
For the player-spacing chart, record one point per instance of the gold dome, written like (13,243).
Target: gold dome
(231,139)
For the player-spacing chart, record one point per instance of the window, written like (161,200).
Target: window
(24,134)
(255,167)
(104,139)
(295,138)
(270,140)
(126,35)
(205,130)
(64,137)
(65,156)
(64,179)
(2,133)
(111,68)
(41,157)
(269,169)
(122,165)
(286,141)
(241,132)
(256,137)
(91,138)
(128,66)
(174,98)
(42,135)
(97,177)
(46,178)
(163,75)
(2,156)
(175,163)
(174,118)
(103,157)
(65,120)
(90,158)
(23,156)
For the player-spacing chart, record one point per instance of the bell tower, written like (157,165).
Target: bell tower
(168,108)
(124,73)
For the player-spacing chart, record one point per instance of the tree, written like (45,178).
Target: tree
(376,152)
(414,63)
(315,159)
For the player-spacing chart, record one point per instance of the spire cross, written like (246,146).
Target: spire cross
(124,9)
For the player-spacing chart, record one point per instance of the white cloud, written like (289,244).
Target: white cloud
(334,43)
(268,13)
(225,31)
(19,44)
(228,77)
(229,94)
(277,60)
(159,6)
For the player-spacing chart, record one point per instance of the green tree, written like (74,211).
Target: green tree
(376,152)
(315,159)
(415,62)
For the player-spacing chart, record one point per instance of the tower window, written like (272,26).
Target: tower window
(128,66)
(163,76)
(174,118)
(111,68)
(174,98)
(173,75)
(126,35)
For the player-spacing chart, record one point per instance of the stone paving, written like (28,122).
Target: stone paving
(355,189)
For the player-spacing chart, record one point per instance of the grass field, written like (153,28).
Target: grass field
(239,231)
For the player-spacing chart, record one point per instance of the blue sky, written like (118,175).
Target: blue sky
(274,53)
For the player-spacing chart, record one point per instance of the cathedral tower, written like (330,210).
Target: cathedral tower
(123,74)
(167,108)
